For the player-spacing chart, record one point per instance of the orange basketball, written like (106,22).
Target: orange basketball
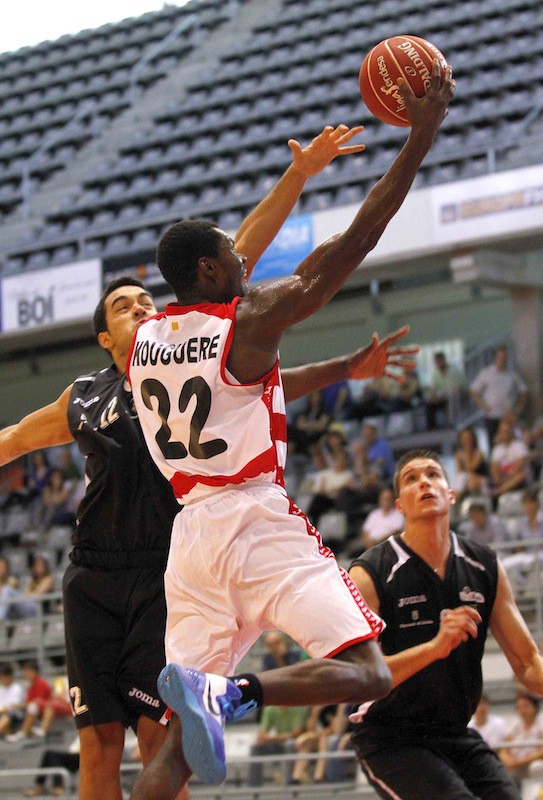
(408,56)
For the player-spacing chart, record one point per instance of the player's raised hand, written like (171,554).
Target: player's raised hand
(382,358)
(457,625)
(429,111)
(329,144)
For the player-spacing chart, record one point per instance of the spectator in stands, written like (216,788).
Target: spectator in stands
(328,483)
(482,526)
(279,727)
(444,392)
(533,439)
(311,423)
(377,451)
(279,654)
(38,472)
(498,390)
(315,737)
(490,726)
(12,601)
(58,706)
(377,397)
(63,759)
(527,727)
(508,461)
(407,394)
(12,701)
(41,581)
(12,484)
(37,693)
(338,739)
(70,470)
(519,562)
(373,468)
(56,499)
(337,400)
(471,468)
(382,522)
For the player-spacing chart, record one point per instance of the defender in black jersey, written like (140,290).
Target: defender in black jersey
(438,594)
(113,592)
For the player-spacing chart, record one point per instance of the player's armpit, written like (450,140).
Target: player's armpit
(46,427)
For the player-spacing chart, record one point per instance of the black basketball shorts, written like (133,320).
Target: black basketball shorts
(114,624)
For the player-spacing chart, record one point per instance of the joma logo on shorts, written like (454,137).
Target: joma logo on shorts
(145,698)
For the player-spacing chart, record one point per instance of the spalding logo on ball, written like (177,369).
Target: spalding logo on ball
(408,56)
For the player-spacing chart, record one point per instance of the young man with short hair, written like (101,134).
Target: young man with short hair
(439,594)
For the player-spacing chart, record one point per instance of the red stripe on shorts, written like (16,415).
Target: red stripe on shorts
(375,622)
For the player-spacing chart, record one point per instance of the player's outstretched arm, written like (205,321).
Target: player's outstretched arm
(376,359)
(263,224)
(456,626)
(316,280)
(46,427)
(511,632)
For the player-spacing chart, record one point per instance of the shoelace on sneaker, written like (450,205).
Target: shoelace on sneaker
(232,712)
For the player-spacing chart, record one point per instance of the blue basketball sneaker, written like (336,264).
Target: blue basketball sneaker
(203,702)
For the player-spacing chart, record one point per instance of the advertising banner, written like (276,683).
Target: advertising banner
(49,296)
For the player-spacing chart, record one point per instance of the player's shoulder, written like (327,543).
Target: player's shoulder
(94,382)
(380,555)
(477,552)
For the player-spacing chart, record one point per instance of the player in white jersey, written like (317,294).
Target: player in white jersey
(243,558)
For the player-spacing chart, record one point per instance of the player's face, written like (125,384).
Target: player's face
(125,309)
(234,274)
(423,490)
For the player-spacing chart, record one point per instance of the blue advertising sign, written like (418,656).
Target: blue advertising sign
(291,245)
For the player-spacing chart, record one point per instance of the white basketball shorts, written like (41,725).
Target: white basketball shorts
(246,561)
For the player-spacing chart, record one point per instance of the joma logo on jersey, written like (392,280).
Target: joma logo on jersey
(144,697)
(469,596)
(86,403)
(410,601)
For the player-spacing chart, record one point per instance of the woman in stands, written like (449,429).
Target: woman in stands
(472,471)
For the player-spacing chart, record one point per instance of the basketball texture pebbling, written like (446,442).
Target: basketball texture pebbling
(408,56)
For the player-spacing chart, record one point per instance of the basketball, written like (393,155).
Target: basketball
(407,56)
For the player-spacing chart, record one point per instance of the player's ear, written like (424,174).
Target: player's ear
(104,340)
(398,504)
(452,495)
(207,266)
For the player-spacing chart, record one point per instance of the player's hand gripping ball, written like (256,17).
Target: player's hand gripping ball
(408,56)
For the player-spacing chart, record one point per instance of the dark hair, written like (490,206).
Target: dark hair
(478,507)
(181,246)
(5,668)
(31,663)
(411,455)
(99,317)
(473,435)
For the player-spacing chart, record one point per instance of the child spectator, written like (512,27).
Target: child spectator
(12,701)
(37,693)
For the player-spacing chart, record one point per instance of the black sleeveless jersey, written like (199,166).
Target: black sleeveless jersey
(442,697)
(126,515)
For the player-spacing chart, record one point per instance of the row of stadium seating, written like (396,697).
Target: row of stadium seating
(94,77)
(218,149)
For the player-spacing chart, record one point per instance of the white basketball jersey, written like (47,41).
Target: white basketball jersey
(204,429)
